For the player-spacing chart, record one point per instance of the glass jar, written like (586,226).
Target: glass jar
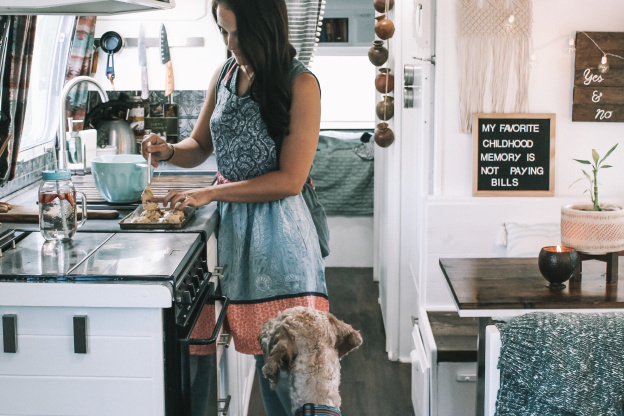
(57,206)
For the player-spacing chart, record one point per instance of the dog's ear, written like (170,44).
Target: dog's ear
(282,351)
(266,332)
(347,338)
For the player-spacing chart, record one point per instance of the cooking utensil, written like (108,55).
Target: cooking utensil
(111,42)
(165,58)
(143,64)
(149,165)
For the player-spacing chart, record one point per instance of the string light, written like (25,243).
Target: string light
(532,56)
(509,23)
(571,45)
(533,60)
(603,66)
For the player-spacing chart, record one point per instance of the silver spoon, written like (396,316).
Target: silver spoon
(147,192)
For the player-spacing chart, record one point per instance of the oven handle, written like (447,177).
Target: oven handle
(215,332)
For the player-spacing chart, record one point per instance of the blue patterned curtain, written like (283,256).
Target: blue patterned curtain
(16,46)
(80,64)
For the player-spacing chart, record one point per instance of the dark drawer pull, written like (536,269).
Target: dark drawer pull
(9,333)
(80,334)
(226,405)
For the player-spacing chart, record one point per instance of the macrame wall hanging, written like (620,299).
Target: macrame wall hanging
(494,38)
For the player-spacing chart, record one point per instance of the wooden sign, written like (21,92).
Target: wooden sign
(598,96)
(513,154)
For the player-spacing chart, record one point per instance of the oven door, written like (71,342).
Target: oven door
(198,359)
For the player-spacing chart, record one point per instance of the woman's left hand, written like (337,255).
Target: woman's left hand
(179,200)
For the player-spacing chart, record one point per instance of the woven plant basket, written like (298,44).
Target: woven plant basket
(593,232)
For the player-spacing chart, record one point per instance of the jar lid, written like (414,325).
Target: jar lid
(57,174)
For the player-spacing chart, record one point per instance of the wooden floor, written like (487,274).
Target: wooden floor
(371,384)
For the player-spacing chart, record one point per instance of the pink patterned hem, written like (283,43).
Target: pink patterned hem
(245,320)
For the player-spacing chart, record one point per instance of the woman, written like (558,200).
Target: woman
(261,117)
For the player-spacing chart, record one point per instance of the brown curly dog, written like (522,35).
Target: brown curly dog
(308,345)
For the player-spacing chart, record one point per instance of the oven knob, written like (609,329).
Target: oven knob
(185,296)
(196,281)
(199,273)
(190,284)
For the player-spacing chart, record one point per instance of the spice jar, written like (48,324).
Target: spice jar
(57,206)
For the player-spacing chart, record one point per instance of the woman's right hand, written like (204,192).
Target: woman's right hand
(157,146)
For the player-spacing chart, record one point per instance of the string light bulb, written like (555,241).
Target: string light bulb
(571,45)
(509,23)
(533,60)
(604,65)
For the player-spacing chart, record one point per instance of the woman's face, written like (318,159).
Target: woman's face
(226,20)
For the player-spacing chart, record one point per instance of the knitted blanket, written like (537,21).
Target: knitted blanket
(562,365)
(342,175)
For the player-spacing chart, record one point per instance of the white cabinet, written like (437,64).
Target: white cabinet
(443,369)
(235,373)
(421,375)
(123,359)
(456,389)
(234,370)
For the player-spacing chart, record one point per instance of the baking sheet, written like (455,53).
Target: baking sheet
(126,222)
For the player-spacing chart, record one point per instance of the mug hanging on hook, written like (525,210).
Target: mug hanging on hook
(110,42)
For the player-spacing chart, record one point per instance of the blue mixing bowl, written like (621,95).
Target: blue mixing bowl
(120,178)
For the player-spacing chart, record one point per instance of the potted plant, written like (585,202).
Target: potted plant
(593,228)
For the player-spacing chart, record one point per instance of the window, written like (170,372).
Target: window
(50,53)
(347,91)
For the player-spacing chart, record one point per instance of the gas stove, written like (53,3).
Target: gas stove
(104,331)
(176,260)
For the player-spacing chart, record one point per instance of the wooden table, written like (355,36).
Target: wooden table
(504,287)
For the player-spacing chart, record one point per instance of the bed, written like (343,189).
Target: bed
(343,172)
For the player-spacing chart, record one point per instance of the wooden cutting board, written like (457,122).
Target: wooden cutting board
(30,213)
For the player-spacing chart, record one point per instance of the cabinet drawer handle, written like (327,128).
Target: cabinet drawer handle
(80,334)
(9,333)
(464,378)
(224,339)
(226,405)
(219,271)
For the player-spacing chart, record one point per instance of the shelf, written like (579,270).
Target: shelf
(325,49)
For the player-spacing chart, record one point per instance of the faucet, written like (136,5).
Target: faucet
(62,156)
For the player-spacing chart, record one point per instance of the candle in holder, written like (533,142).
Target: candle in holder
(557,264)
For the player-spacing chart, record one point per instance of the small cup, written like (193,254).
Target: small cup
(557,264)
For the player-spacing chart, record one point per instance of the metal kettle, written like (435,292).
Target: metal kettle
(110,120)
(119,135)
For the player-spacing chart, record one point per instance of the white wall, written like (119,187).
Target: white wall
(350,241)
(550,91)
(551,86)
(192,66)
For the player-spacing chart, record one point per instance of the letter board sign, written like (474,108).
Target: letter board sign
(513,154)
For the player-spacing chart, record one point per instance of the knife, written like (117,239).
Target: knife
(165,58)
(143,64)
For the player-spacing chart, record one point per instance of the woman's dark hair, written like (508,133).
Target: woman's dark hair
(262,27)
